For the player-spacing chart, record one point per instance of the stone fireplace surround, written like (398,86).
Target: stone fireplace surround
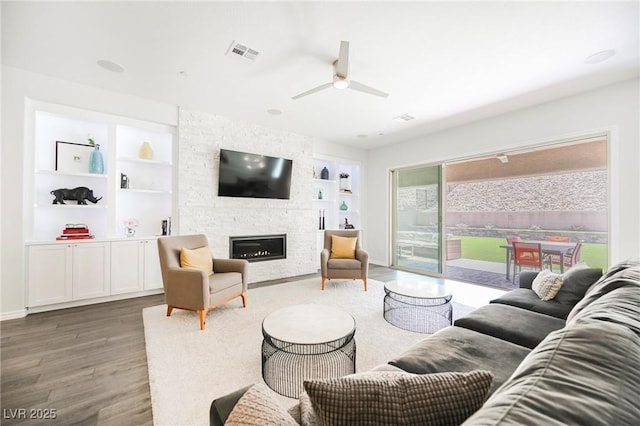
(201,210)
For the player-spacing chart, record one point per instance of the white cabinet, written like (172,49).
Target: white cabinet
(91,272)
(127,273)
(75,271)
(65,272)
(49,274)
(152,273)
(135,266)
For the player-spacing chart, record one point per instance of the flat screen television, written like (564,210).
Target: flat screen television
(243,174)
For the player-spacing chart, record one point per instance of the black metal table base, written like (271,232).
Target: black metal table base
(285,366)
(417,314)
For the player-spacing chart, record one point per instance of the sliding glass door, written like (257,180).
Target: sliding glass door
(416,219)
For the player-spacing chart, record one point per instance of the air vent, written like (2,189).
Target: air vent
(404,117)
(236,49)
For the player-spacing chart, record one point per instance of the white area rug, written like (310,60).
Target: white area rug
(189,368)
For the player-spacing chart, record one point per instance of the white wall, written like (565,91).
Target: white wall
(613,108)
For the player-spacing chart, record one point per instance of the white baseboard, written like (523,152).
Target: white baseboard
(13,315)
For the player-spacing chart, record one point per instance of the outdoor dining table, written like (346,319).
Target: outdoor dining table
(548,247)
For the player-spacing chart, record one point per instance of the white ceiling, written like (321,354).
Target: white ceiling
(445,63)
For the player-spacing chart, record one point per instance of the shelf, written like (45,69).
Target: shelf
(145,191)
(56,173)
(324,181)
(324,200)
(71,206)
(143,161)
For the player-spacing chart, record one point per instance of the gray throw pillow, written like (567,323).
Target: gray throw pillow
(576,282)
(390,397)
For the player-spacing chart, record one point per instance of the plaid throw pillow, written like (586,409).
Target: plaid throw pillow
(385,398)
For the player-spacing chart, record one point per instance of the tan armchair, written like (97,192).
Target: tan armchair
(195,290)
(356,269)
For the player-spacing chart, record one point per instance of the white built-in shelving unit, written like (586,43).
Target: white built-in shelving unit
(336,192)
(111,265)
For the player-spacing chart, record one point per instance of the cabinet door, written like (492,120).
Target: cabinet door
(127,266)
(152,274)
(91,270)
(49,279)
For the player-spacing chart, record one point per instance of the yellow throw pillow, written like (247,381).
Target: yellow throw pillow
(199,258)
(343,247)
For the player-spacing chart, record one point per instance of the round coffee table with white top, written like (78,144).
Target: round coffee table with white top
(306,342)
(417,305)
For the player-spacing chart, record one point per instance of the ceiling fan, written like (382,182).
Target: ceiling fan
(341,78)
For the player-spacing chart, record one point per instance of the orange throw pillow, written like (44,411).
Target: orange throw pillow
(199,258)
(343,247)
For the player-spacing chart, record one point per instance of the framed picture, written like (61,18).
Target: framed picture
(72,157)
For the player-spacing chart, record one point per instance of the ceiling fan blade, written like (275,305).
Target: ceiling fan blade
(314,90)
(366,89)
(342,63)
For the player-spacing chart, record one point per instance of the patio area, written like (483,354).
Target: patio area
(466,270)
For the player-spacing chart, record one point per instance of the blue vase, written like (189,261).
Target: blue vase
(96,163)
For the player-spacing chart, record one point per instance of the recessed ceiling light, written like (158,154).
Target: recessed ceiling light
(183,74)
(274,111)
(362,136)
(110,66)
(599,56)
(404,117)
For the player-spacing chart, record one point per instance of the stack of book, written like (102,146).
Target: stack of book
(75,231)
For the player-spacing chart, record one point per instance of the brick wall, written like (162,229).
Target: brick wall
(200,210)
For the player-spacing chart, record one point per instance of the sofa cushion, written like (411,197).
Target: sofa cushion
(259,407)
(527,299)
(223,280)
(344,264)
(575,283)
(384,398)
(615,298)
(584,374)
(515,325)
(462,350)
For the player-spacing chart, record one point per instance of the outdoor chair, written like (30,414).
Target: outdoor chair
(198,290)
(570,258)
(557,239)
(526,254)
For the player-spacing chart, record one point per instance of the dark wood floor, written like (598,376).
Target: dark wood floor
(88,365)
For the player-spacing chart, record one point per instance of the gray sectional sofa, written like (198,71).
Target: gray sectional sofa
(571,360)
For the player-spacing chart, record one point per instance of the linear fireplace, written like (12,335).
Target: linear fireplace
(258,247)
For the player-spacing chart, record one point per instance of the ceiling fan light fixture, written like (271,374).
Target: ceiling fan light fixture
(340,82)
